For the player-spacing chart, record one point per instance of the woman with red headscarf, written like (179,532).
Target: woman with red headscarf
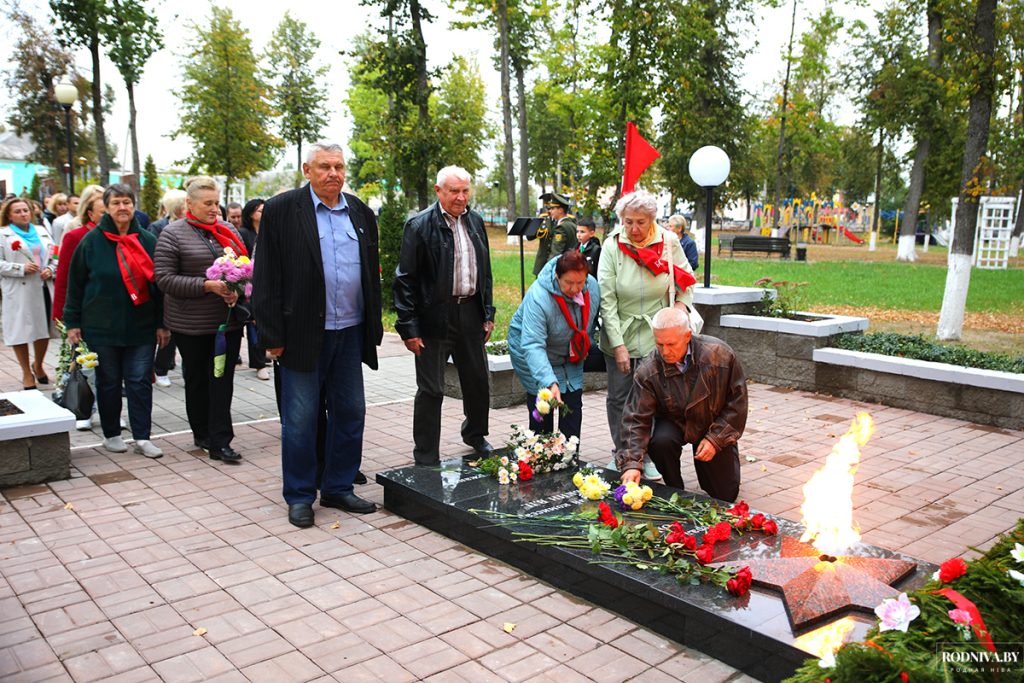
(113,303)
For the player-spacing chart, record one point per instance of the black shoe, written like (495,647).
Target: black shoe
(203,444)
(227,454)
(360,478)
(483,449)
(349,502)
(301,515)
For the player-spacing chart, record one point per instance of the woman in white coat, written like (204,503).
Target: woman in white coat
(26,279)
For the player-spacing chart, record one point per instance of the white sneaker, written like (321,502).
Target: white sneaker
(83,425)
(148,449)
(262,373)
(163,381)
(95,420)
(650,471)
(115,444)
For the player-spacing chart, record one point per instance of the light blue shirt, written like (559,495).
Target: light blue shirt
(339,247)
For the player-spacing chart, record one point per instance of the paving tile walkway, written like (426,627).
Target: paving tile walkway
(112,573)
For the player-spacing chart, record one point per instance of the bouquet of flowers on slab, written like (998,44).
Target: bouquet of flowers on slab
(530,453)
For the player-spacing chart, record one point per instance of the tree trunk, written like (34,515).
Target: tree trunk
(1018,228)
(97,113)
(136,167)
(298,155)
(876,214)
(979,114)
(907,240)
(524,160)
(506,110)
(776,209)
(422,97)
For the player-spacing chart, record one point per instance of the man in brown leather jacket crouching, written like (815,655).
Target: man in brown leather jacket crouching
(691,390)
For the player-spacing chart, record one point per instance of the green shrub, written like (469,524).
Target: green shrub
(391,226)
(788,299)
(919,348)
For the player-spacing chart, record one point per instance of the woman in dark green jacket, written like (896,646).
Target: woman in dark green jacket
(113,303)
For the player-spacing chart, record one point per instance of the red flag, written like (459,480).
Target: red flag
(639,155)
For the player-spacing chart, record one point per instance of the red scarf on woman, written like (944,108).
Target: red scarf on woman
(649,258)
(220,232)
(135,263)
(579,345)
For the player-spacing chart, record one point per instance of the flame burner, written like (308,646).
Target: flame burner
(816,586)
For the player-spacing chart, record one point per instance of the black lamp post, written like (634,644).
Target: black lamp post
(66,94)
(709,167)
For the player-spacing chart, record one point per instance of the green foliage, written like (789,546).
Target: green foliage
(133,35)
(298,93)
(33,108)
(224,107)
(386,134)
(919,348)
(149,197)
(787,301)
(999,599)
(390,225)
(33,190)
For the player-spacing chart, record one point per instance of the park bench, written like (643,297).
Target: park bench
(765,245)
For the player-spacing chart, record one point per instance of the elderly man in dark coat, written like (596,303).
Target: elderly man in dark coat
(690,390)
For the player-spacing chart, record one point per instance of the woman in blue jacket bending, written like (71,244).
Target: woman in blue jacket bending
(550,336)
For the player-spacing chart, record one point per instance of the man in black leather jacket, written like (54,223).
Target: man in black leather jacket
(442,294)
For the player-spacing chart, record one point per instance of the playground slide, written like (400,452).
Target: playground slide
(849,235)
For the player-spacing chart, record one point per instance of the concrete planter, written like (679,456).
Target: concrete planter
(506,389)
(780,351)
(982,396)
(34,446)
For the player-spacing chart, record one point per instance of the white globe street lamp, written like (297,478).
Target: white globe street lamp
(709,167)
(66,94)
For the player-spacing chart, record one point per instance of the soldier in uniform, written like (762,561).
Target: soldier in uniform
(558,234)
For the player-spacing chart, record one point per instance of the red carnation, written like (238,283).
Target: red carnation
(740,509)
(739,584)
(525,471)
(705,553)
(16,245)
(689,542)
(604,513)
(952,570)
(757,520)
(719,532)
(676,534)
(770,527)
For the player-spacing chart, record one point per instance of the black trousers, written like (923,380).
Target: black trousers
(569,424)
(164,361)
(718,477)
(257,355)
(464,342)
(208,398)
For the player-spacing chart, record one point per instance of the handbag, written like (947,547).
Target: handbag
(78,396)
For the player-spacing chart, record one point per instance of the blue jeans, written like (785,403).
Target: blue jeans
(132,365)
(339,371)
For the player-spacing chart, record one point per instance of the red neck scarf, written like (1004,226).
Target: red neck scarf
(649,258)
(90,225)
(135,263)
(579,345)
(220,232)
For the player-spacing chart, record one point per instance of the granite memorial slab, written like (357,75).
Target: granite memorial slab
(759,633)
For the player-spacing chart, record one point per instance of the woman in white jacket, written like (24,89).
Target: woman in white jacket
(26,267)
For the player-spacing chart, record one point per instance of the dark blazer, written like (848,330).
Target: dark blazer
(289,298)
(425,272)
(592,252)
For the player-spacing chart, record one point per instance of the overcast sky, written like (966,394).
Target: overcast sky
(336,23)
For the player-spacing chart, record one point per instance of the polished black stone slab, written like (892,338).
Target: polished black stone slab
(752,633)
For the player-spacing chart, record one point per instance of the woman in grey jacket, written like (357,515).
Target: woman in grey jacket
(195,307)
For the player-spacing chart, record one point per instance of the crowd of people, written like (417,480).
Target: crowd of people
(136,291)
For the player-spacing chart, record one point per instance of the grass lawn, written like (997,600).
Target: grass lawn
(853,282)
